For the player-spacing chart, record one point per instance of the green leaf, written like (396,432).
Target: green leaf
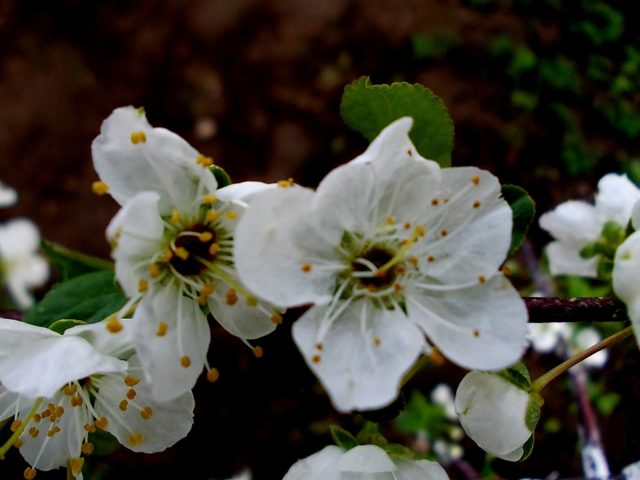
(532,416)
(370,434)
(518,375)
(61,326)
(607,403)
(400,452)
(523,208)
(342,438)
(222,177)
(527,448)
(90,297)
(72,263)
(369,108)
(422,415)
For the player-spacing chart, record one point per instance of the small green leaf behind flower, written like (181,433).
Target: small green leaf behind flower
(72,263)
(222,177)
(524,209)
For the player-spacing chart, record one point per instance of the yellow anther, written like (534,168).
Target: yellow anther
(205,236)
(130,380)
(258,352)
(136,439)
(90,427)
(481,279)
(431,259)
(75,465)
(372,288)
(506,271)
(376,341)
(53,430)
(435,202)
(397,287)
(131,394)
(70,388)
(476,333)
(33,431)
(407,226)
(37,418)
(213,375)
(231,215)
(319,346)
(251,301)
(276,318)
(285,183)
(114,325)
(154,270)
(123,405)
(182,253)
(231,297)
(15,425)
(390,219)
(146,413)
(59,411)
(444,232)
(413,261)
(175,216)
(306,267)
(420,231)
(476,204)
(138,137)
(475,179)
(166,257)
(437,358)
(143,285)
(162,329)
(316,358)
(213,215)
(102,423)
(46,413)
(29,473)
(207,289)
(209,199)
(214,248)
(18,443)
(76,401)
(87,448)
(204,160)
(99,188)
(185,361)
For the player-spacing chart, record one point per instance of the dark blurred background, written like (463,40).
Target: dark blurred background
(542,93)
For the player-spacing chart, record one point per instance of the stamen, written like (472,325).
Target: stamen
(76,400)
(406,246)
(166,257)
(306,267)
(231,297)
(276,318)
(231,215)
(213,215)
(285,183)
(213,374)
(100,188)
(481,279)
(476,204)
(204,161)
(87,448)
(376,341)
(209,199)
(185,361)
(258,352)
(102,423)
(214,248)
(205,236)
(444,232)
(154,270)
(476,333)
(75,465)
(475,179)
(146,413)
(316,358)
(175,216)
(34,432)
(132,381)
(114,325)
(390,220)
(435,202)
(15,425)
(29,473)
(136,439)
(131,394)
(319,346)
(182,253)
(90,427)
(143,285)
(123,405)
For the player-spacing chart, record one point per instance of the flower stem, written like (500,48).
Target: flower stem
(543,380)
(13,438)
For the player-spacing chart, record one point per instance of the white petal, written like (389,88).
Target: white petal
(626,281)
(573,222)
(187,335)
(11,404)
(544,337)
(366,459)
(420,469)
(492,412)
(275,239)
(243,191)
(164,163)
(166,422)
(138,230)
(19,238)
(118,344)
(321,465)
(364,354)
(565,259)
(482,327)
(635,216)
(8,195)
(616,197)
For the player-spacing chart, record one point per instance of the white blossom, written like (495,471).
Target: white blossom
(8,195)
(493,411)
(21,266)
(364,462)
(390,247)
(575,224)
(59,388)
(173,247)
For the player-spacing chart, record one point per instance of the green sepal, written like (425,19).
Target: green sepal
(605,269)
(222,177)
(517,374)
(369,108)
(590,250)
(527,448)
(523,208)
(613,233)
(62,325)
(532,416)
(103,442)
(72,263)
(400,452)
(370,434)
(342,438)
(90,297)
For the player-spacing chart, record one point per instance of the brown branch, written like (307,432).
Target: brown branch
(570,310)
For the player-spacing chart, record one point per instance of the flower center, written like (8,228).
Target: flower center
(191,245)
(371,262)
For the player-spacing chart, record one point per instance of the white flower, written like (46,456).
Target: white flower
(59,388)
(173,246)
(493,413)
(390,247)
(545,337)
(585,338)
(626,273)
(8,195)
(21,266)
(575,224)
(442,395)
(364,462)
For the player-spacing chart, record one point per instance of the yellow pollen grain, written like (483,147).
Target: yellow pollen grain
(15,425)
(204,160)
(444,232)
(87,448)
(435,202)
(316,359)
(154,270)
(166,257)
(102,423)
(146,413)
(390,219)
(231,297)
(130,380)
(138,137)
(407,226)
(476,333)
(276,318)
(251,301)
(214,248)
(99,188)
(213,375)
(209,199)
(475,179)
(306,267)
(123,405)
(90,427)
(185,361)
(175,216)
(18,443)
(182,253)
(231,215)
(131,394)
(136,439)
(29,473)
(420,231)
(76,401)
(376,341)
(213,215)
(205,236)
(285,183)
(476,204)
(143,285)
(114,325)
(258,352)
(75,465)
(34,432)
(413,261)
(481,278)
